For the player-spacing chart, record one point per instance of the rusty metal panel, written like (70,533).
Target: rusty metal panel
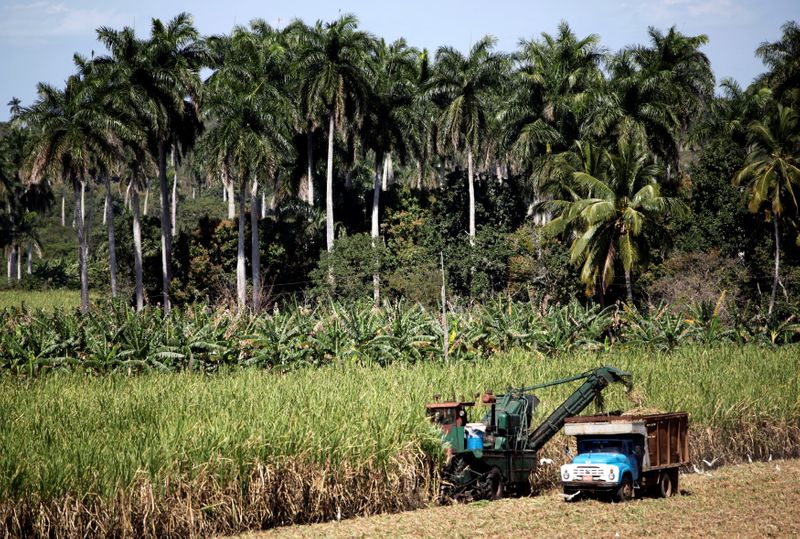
(668,440)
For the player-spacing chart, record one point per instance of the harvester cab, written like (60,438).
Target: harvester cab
(451,418)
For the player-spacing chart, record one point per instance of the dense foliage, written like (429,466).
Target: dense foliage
(115,339)
(561,171)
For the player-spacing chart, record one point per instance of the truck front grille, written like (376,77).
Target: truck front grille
(594,471)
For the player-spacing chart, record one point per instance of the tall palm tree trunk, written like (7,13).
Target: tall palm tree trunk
(329,184)
(241,276)
(231,201)
(776,276)
(255,254)
(263,204)
(628,287)
(385,175)
(19,262)
(376,196)
(127,201)
(310,188)
(63,208)
(137,247)
(146,195)
(112,248)
(228,189)
(30,258)
(471,181)
(174,205)
(82,250)
(9,263)
(166,226)
(83,200)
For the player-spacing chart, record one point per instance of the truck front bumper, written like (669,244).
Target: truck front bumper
(590,486)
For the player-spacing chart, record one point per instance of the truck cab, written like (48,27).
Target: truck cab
(618,455)
(604,461)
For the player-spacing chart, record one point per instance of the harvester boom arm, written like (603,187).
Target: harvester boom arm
(596,381)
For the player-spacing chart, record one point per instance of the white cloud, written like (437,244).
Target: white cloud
(44,19)
(711,11)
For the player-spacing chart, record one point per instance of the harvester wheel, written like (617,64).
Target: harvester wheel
(498,488)
(455,476)
(625,490)
(665,486)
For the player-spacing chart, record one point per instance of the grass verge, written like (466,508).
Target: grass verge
(47,300)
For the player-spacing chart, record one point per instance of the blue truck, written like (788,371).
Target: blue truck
(620,456)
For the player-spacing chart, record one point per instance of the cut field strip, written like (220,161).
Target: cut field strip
(749,500)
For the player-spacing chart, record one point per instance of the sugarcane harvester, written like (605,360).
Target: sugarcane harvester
(496,455)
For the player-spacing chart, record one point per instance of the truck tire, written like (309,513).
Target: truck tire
(665,487)
(675,484)
(625,490)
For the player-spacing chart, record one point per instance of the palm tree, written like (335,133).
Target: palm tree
(610,209)
(464,86)
(391,117)
(159,81)
(138,163)
(71,135)
(550,90)
(249,130)
(730,113)
(120,136)
(307,122)
(783,59)
(14,107)
(656,89)
(771,174)
(15,218)
(335,60)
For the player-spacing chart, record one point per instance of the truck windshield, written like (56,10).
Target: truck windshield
(601,446)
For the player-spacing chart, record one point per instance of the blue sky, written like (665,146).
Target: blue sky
(39,37)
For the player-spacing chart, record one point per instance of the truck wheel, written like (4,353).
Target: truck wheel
(625,490)
(674,478)
(665,487)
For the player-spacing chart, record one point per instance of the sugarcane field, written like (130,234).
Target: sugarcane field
(300,269)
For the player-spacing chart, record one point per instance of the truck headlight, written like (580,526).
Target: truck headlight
(611,475)
(565,474)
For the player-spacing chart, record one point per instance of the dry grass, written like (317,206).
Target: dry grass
(754,500)
(288,491)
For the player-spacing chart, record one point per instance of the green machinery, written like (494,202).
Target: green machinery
(486,459)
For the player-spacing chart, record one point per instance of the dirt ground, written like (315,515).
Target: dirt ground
(752,500)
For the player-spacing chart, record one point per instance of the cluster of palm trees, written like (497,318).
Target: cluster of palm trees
(601,135)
